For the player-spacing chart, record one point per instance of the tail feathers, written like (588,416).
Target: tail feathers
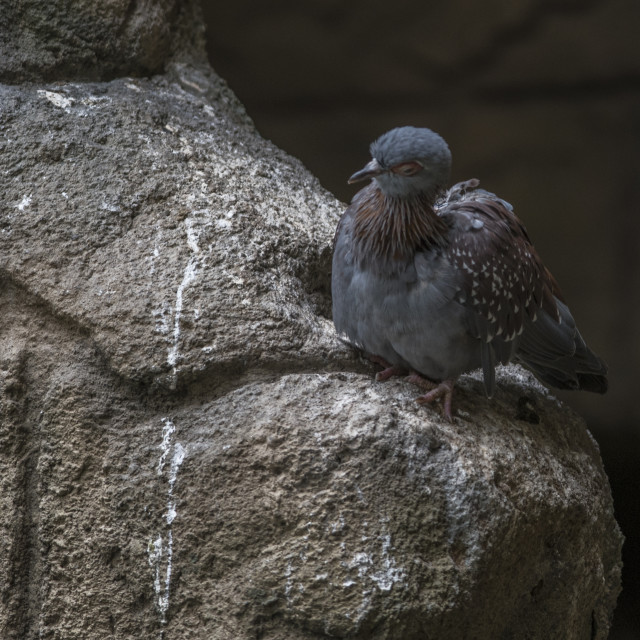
(558,356)
(562,376)
(597,383)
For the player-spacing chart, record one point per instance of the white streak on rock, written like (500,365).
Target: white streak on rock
(160,554)
(389,573)
(168,430)
(176,461)
(192,236)
(188,277)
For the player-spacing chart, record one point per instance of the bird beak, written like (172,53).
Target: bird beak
(370,170)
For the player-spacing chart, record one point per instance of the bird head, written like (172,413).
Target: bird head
(408,161)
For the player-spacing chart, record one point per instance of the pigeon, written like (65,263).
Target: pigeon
(433,283)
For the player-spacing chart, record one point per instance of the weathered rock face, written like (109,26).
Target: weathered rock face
(186,448)
(136,191)
(62,39)
(354,515)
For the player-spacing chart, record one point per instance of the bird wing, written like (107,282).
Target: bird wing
(502,281)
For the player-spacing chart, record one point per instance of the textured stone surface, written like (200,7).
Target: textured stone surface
(341,509)
(173,223)
(187,450)
(64,39)
(309,505)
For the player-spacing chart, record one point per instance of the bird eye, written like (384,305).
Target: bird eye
(407,168)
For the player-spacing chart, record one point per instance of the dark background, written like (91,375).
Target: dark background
(539,99)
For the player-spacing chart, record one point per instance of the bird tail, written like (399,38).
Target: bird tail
(557,354)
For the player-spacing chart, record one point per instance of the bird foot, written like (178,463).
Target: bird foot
(435,391)
(389,369)
(389,372)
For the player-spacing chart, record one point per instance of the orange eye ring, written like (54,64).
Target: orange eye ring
(407,168)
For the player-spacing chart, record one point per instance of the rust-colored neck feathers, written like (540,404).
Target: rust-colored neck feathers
(395,228)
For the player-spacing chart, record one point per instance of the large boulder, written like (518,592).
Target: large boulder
(189,451)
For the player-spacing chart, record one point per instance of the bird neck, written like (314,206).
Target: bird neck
(395,227)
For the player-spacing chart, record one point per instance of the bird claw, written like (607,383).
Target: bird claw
(437,390)
(388,371)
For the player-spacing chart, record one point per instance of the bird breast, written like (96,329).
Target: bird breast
(407,314)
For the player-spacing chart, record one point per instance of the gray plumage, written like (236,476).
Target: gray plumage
(436,283)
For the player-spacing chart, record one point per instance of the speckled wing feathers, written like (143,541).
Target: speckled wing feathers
(504,285)
(503,280)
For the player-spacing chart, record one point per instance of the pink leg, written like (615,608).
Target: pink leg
(436,390)
(389,369)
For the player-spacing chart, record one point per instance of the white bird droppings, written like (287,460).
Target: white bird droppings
(160,553)
(24,203)
(56,98)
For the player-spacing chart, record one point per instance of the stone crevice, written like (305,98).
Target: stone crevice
(21,437)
